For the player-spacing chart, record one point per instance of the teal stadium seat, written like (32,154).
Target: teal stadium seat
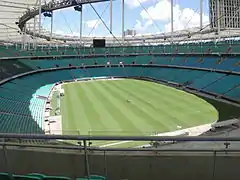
(224,84)
(80,73)
(206,80)
(188,76)
(200,62)
(10,68)
(234,93)
(228,64)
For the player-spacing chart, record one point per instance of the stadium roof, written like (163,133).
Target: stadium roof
(12,10)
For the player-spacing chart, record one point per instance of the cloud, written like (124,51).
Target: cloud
(188,19)
(92,23)
(135,3)
(183,17)
(141,27)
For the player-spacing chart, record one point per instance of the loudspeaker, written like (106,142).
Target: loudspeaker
(98,43)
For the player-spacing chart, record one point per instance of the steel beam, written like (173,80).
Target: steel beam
(51,6)
(51,27)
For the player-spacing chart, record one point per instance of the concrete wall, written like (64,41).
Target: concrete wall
(123,165)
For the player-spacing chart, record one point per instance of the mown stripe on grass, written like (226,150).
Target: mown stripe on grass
(89,108)
(154,102)
(161,102)
(133,114)
(179,94)
(191,100)
(106,119)
(190,108)
(148,120)
(193,106)
(179,108)
(117,108)
(159,119)
(83,109)
(53,104)
(68,115)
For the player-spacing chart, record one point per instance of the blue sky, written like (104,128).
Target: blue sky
(145,16)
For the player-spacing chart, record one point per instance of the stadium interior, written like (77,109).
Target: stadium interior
(33,61)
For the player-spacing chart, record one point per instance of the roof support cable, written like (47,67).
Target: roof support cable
(106,24)
(68,27)
(94,27)
(156,25)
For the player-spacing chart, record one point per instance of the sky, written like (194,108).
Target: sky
(145,16)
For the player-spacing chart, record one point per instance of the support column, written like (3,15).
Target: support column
(201,22)
(123,21)
(23,36)
(201,13)
(111,16)
(172,21)
(39,13)
(80,28)
(218,18)
(51,27)
(87,172)
(34,32)
(29,41)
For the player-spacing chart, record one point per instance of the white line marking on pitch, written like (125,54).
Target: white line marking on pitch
(116,143)
(193,131)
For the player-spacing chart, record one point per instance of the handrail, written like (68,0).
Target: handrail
(119,138)
(120,55)
(113,149)
(116,55)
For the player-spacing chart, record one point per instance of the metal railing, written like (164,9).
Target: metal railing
(117,138)
(86,150)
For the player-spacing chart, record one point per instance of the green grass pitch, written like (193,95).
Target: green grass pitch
(130,107)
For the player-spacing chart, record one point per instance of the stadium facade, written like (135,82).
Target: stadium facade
(224,14)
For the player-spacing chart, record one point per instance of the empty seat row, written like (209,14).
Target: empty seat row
(10,123)
(230,63)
